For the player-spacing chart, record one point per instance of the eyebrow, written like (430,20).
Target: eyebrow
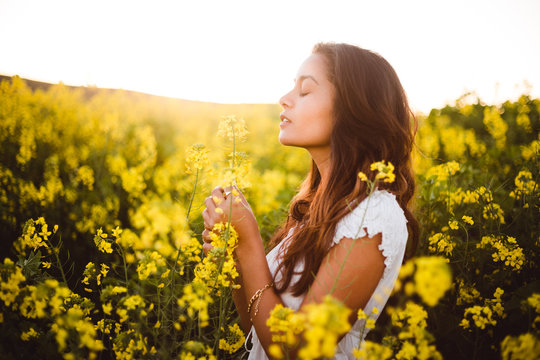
(303,77)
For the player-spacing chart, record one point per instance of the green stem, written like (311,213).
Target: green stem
(192,194)
(54,250)
(173,272)
(187,221)
(121,251)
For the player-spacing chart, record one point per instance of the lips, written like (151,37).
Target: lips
(283,118)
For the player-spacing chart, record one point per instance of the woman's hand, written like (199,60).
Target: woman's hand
(229,203)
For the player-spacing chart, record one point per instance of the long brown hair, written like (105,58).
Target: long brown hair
(373,122)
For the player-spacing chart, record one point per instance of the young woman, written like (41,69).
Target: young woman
(348,110)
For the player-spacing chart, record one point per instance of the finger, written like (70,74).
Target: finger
(218,193)
(227,191)
(206,236)
(239,197)
(206,248)
(210,204)
(208,222)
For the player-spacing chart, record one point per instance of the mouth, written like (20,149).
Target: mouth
(283,119)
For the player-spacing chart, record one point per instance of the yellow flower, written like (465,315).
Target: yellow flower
(102,244)
(385,172)
(362,176)
(283,325)
(27,335)
(507,251)
(495,125)
(196,300)
(150,264)
(275,351)
(443,171)
(467,219)
(525,185)
(116,232)
(107,308)
(224,240)
(453,224)
(432,278)
(233,128)
(372,351)
(196,157)
(46,264)
(324,323)
(441,243)
(234,339)
(524,346)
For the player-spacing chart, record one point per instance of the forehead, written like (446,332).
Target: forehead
(314,66)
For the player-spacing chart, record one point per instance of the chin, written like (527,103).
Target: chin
(284,141)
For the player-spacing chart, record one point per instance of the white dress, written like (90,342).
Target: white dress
(383,215)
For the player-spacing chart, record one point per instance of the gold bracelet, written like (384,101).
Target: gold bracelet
(257,295)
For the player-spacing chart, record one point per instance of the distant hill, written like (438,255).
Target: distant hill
(169,107)
(92,90)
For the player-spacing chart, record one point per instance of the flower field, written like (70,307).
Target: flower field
(101,194)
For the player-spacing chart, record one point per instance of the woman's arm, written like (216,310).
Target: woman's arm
(239,298)
(350,271)
(251,258)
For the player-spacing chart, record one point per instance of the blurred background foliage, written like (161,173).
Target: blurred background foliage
(88,159)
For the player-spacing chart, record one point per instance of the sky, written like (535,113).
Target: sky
(249,51)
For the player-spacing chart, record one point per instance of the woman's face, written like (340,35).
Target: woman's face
(307,117)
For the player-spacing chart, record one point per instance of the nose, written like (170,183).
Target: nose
(284,101)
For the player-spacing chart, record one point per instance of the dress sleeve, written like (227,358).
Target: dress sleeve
(382,214)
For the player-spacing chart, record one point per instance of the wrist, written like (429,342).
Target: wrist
(249,249)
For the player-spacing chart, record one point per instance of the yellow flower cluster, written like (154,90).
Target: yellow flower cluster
(218,268)
(525,346)
(321,323)
(35,235)
(415,340)
(151,264)
(85,176)
(100,239)
(534,302)
(11,278)
(73,324)
(195,299)
(324,324)
(27,335)
(196,158)
(432,278)
(195,350)
(441,243)
(531,150)
(284,326)
(483,316)
(370,350)
(232,128)
(237,171)
(496,126)
(189,252)
(132,345)
(467,294)
(234,339)
(443,171)
(507,251)
(493,211)
(90,272)
(385,172)
(525,185)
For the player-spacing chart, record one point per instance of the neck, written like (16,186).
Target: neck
(321,157)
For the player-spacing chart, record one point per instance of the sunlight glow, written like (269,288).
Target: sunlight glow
(247,52)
